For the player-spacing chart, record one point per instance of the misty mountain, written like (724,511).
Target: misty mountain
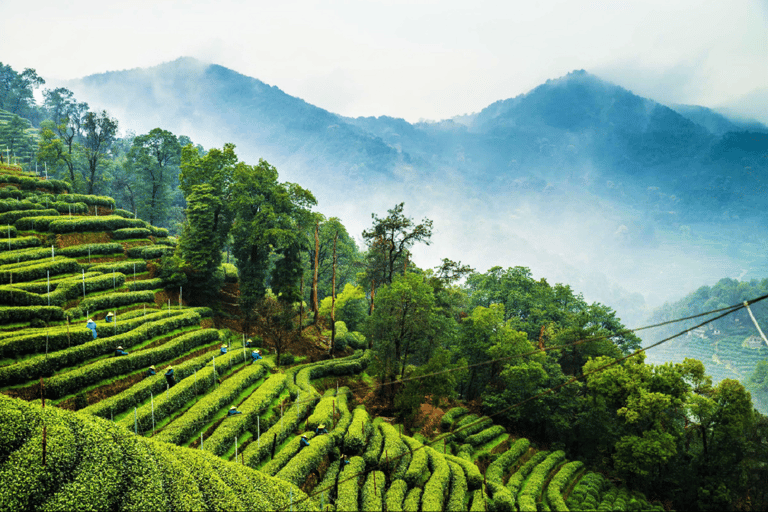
(629,201)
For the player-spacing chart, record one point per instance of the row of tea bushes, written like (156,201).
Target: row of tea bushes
(209,405)
(92,464)
(165,404)
(45,365)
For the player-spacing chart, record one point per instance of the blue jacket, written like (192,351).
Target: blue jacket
(121,353)
(303,442)
(232,412)
(223,350)
(319,431)
(255,357)
(92,326)
(169,377)
(151,372)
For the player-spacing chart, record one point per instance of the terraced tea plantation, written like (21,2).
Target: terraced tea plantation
(143,441)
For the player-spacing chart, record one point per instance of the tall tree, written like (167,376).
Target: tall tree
(62,144)
(153,160)
(389,241)
(100,131)
(17,91)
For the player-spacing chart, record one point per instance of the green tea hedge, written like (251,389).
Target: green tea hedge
(526,498)
(145,284)
(559,482)
(127,267)
(515,482)
(90,200)
(436,487)
(130,233)
(90,249)
(503,499)
(221,439)
(41,270)
(27,313)
(451,416)
(207,407)
(418,469)
(348,485)
(149,252)
(471,471)
(12,216)
(373,492)
(19,243)
(458,494)
(396,495)
(94,223)
(116,300)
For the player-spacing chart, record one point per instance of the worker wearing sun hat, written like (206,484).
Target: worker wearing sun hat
(320,430)
(233,410)
(224,349)
(151,371)
(92,326)
(255,356)
(169,376)
(304,442)
(120,352)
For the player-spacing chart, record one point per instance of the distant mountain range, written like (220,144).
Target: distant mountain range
(630,201)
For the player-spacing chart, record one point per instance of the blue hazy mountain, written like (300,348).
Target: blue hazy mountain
(630,201)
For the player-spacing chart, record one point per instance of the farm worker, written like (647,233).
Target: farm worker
(109,317)
(120,352)
(232,411)
(92,326)
(169,376)
(321,429)
(151,371)
(344,460)
(255,356)
(303,442)
(248,343)
(223,349)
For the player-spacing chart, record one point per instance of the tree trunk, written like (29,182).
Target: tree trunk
(315,305)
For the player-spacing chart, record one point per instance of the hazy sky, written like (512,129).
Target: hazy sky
(412,59)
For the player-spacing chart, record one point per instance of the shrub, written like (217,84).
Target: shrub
(437,485)
(486,435)
(158,232)
(116,300)
(106,202)
(356,340)
(90,249)
(479,500)
(534,485)
(69,208)
(452,415)
(8,231)
(27,313)
(23,254)
(348,485)
(357,434)
(12,216)
(503,499)
(392,450)
(63,384)
(41,270)
(323,412)
(19,243)
(327,485)
(123,213)
(412,499)
(94,223)
(471,424)
(373,492)
(129,233)
(145,284)
(396,495)
(373,448)
(207,407)
(230,273)
(126,267)
(458,493)
(471,471)
(149,252)
(418,468)
(516,481)
(559,482)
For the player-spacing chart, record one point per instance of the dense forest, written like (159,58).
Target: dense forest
(537,358)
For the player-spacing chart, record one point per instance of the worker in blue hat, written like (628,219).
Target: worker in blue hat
(92,326)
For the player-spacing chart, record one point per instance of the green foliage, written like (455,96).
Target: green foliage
(471,471)
(446,422)
(351,307)
(116,300)
(436,487)
(130,233)
(230,273)
(83,224)
(530,492)
(10,217)
(27,313)
(372,495)
(150,252)
(515,482)
(66,383)
(207,407)
(92,249)
(257,403)
(392,449)
(356,437)
(418,468)
(372,451)
(503,499)
(127,267)
(486,435)
(145,284)
(348,485)
(412,499)
(559,482)
(92,463)
(396,496)
(458,494)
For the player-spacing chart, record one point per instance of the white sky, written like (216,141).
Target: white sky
(408,58)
